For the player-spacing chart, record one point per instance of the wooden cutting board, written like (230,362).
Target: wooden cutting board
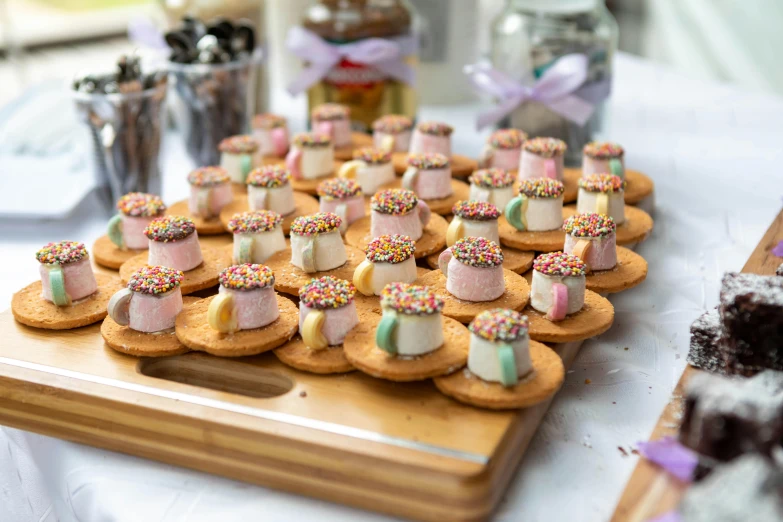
(402,449)
(652,492)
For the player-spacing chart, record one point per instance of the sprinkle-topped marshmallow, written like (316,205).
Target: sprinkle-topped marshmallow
(603,150)
(546,147)
(428,161)
(435,128)
(606,183)
(140,204)
(507,139)
(589,224)
(155,280)
(269,176)
(169,228)
(475,210)
(268,120)
(394,248)
(327,292)
(315,224)
(559,264)
(208,177)
(392,124)
(394,201)
(372,155)
(311,139)
(62,253)
(499,324)
(254,222)
(541,188)
(411,299)
(339,188)
(248,276)
(242,144)
(331,111)
(492,178)
(477,251)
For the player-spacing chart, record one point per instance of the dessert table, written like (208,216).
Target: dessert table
(714,153)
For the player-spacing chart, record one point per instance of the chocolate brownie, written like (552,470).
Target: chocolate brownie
(725,417)
(751,313)
(748,488)
(704,352)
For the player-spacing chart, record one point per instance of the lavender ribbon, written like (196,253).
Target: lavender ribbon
(560,88)
(385,54)
(673,457)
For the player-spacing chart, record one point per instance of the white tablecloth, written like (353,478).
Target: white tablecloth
(714,153)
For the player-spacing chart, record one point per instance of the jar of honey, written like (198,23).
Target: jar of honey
(367,90)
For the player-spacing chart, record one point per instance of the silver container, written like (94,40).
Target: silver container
(212,102)
(125,131)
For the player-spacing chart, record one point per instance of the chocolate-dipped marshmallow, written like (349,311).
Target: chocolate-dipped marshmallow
(269,188)
(503,149)
(558,285)
(542,158)
(602,194)
(388,259)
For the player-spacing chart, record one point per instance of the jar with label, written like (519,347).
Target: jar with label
(368,89)
(529,36)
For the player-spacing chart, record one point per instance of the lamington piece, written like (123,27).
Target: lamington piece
(749,488)
(751,313)
(704,352)
(726,417)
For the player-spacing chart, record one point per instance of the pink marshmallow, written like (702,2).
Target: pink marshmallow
(433,183)
(272,142)
(507,159)
(184,254)
(154,313)
(338,130)
(79,280)
(220,196)
(354,208)
(402,141)
(410,224)
(602,254)
(255,308)
(532,166)
(472,283)
(338,322)
(422,142)
(597,166)
(133,231)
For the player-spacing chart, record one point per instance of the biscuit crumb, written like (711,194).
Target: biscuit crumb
(588,381)
(303,394)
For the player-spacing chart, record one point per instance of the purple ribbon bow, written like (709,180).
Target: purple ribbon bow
(559,88)
(385,54)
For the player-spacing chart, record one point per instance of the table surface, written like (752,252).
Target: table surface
(714,153)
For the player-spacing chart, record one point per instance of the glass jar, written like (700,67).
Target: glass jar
(368,92)
(530,35)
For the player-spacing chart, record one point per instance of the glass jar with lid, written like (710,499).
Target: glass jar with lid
(365,89)
(529,36)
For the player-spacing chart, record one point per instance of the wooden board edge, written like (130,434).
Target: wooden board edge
(338,477)
(650,491)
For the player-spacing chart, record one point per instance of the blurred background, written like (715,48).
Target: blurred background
(45,44)
(726,40)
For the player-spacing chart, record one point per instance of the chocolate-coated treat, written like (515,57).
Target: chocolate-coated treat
(726,417)
(751,312)
(749,488)
(704,351)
